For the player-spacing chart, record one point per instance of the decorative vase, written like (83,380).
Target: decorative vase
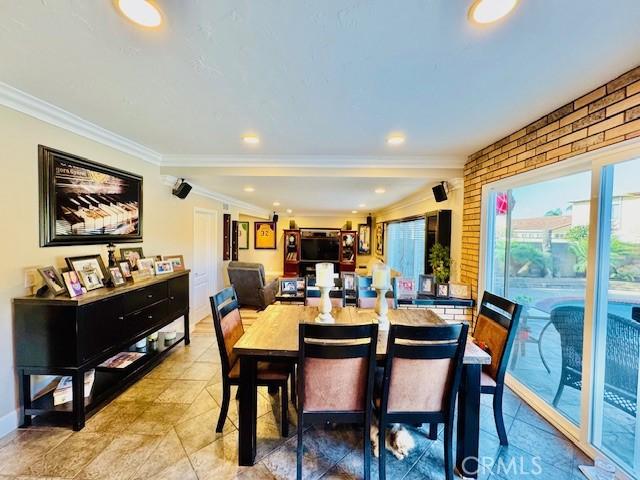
(324,281)
(153,337)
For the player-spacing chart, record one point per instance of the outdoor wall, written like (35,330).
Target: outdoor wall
(168,222)
(607,115)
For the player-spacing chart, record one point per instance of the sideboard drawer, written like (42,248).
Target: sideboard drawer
(146,319)
(145,296)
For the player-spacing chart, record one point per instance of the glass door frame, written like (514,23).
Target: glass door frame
(600,162)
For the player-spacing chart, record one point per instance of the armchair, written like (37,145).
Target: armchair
(251,285)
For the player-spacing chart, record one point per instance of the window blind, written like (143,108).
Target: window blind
(406,245)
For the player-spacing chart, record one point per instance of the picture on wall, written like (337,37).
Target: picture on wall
(364,239)
(380,239)
(83,202)
(265,235)
(243,235)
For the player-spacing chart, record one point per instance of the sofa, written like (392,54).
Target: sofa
(251,285)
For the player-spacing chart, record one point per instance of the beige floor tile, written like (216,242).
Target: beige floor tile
(182,391)
(211,354)
(201,371)
(71,456)
(116,417)
(218,460)
(200,431)
(265,404)
(181,470)
(120,460)
(158,418)
(145,390)
(28,447)
(170,369)
(203,403)
(168,454)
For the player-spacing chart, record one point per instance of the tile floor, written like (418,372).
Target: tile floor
(163,428)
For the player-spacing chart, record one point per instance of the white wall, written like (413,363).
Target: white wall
(168,222)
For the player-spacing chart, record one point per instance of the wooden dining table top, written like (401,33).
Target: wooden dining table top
(275,331)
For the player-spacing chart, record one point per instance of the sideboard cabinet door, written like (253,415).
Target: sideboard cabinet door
(99,327)
(178,295)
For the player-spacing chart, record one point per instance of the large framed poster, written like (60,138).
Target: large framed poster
(84,203)
(265,235)
(243,235)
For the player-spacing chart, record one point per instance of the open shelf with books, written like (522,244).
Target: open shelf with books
(291,253)
(348,250)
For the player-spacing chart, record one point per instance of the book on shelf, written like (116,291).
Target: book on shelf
(121,360)
(63,393)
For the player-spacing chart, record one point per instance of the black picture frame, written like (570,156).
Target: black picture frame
(428,281)
(442,290)
(124,256)
(60,206)
(270,241)
(72,263)
(364,239)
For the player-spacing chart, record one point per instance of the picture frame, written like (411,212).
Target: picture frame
(83,202)
(53,280)
(380,239)
(406,288)
(264,236)
(460,290)
(117,277)
(163,266)
(364,239)
(125,268)
(442,290)
(226,236)
(234,240)
(177,261)
(243,235)
(73,284)
(90,278)
(427,285)
(348,280)
(132,255)
(289,286)
(146,266)
(87,262)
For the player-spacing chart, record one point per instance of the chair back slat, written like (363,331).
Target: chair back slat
(227,324)
(419,352)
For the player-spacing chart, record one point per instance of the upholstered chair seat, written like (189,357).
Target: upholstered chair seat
(265,371)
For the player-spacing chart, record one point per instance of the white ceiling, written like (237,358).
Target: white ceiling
(315,79)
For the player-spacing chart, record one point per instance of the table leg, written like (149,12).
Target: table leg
(77,385)
(25,398)
(187,333)
(467,448)
(247,411)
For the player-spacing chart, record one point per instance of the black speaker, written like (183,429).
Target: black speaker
(440,192)
(275,217)
(292,224)
(182,189)
(369,221)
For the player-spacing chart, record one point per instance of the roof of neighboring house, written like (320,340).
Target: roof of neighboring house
(541,223)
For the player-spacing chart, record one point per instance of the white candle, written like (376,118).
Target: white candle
(381,276)
(324,274)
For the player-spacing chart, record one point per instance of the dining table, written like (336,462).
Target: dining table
(274,336)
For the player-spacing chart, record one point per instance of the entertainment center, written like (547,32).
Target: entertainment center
(306,247)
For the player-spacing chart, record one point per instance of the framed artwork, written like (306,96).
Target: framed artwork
(163,266)
(53,280)
(72,281)
(125,268)
(243,235)
(146,266)
(459,290)
(234,240)
(132,255)
(226,236)
(364,239)
(83,202)
(90,278)
(177,261)
(117,277)
(427,285)
(406,288)
(442,290)
(348,280)
(264,236)
(380,239)
(87,263)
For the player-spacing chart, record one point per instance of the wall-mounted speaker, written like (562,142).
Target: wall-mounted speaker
(369,221)
(292,224)
(349,225)
(440,192)
(181,189)
(275,217)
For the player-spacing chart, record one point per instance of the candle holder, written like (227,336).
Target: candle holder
(381,274)
(324,282)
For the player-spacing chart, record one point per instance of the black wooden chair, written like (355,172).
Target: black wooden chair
(336,365)
(366,294)
(338,294)
(495,331)
(433,354)
(228,326)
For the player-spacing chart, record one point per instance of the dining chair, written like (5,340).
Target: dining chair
(228,326)
(312,293)
(366,294)
(495,332)
(336,365)
(430,356)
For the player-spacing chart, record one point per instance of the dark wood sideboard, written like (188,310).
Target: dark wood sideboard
(69,336)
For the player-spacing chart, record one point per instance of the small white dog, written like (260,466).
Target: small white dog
(398,440)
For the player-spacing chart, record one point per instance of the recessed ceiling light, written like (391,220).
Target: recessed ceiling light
(251,139)
(354,211)
(142,12)
(362,205)
(289,210)
(380,190)
(276,204)
(489,11)
(249,189)
(395,139)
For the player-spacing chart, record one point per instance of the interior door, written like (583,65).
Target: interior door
(204,261)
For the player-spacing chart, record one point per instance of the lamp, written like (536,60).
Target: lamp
(324,281)
(381,281)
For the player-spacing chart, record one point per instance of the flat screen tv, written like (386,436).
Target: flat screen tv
(320,249)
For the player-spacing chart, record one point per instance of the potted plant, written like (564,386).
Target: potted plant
(440,261)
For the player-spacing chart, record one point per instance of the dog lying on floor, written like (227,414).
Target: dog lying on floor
(398,440)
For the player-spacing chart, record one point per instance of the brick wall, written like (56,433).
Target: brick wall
(607,115)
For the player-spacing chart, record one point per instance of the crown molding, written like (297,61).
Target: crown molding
(419,197)
(244,207)
(316,161)
(28,104)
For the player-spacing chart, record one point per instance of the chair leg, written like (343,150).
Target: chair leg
(284,410)
(224,409)
(238,393)
(448,449)
(300,450)
(433,431)
(497,414)
(294,387)
(556,399)
(367,447)
(382,452)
